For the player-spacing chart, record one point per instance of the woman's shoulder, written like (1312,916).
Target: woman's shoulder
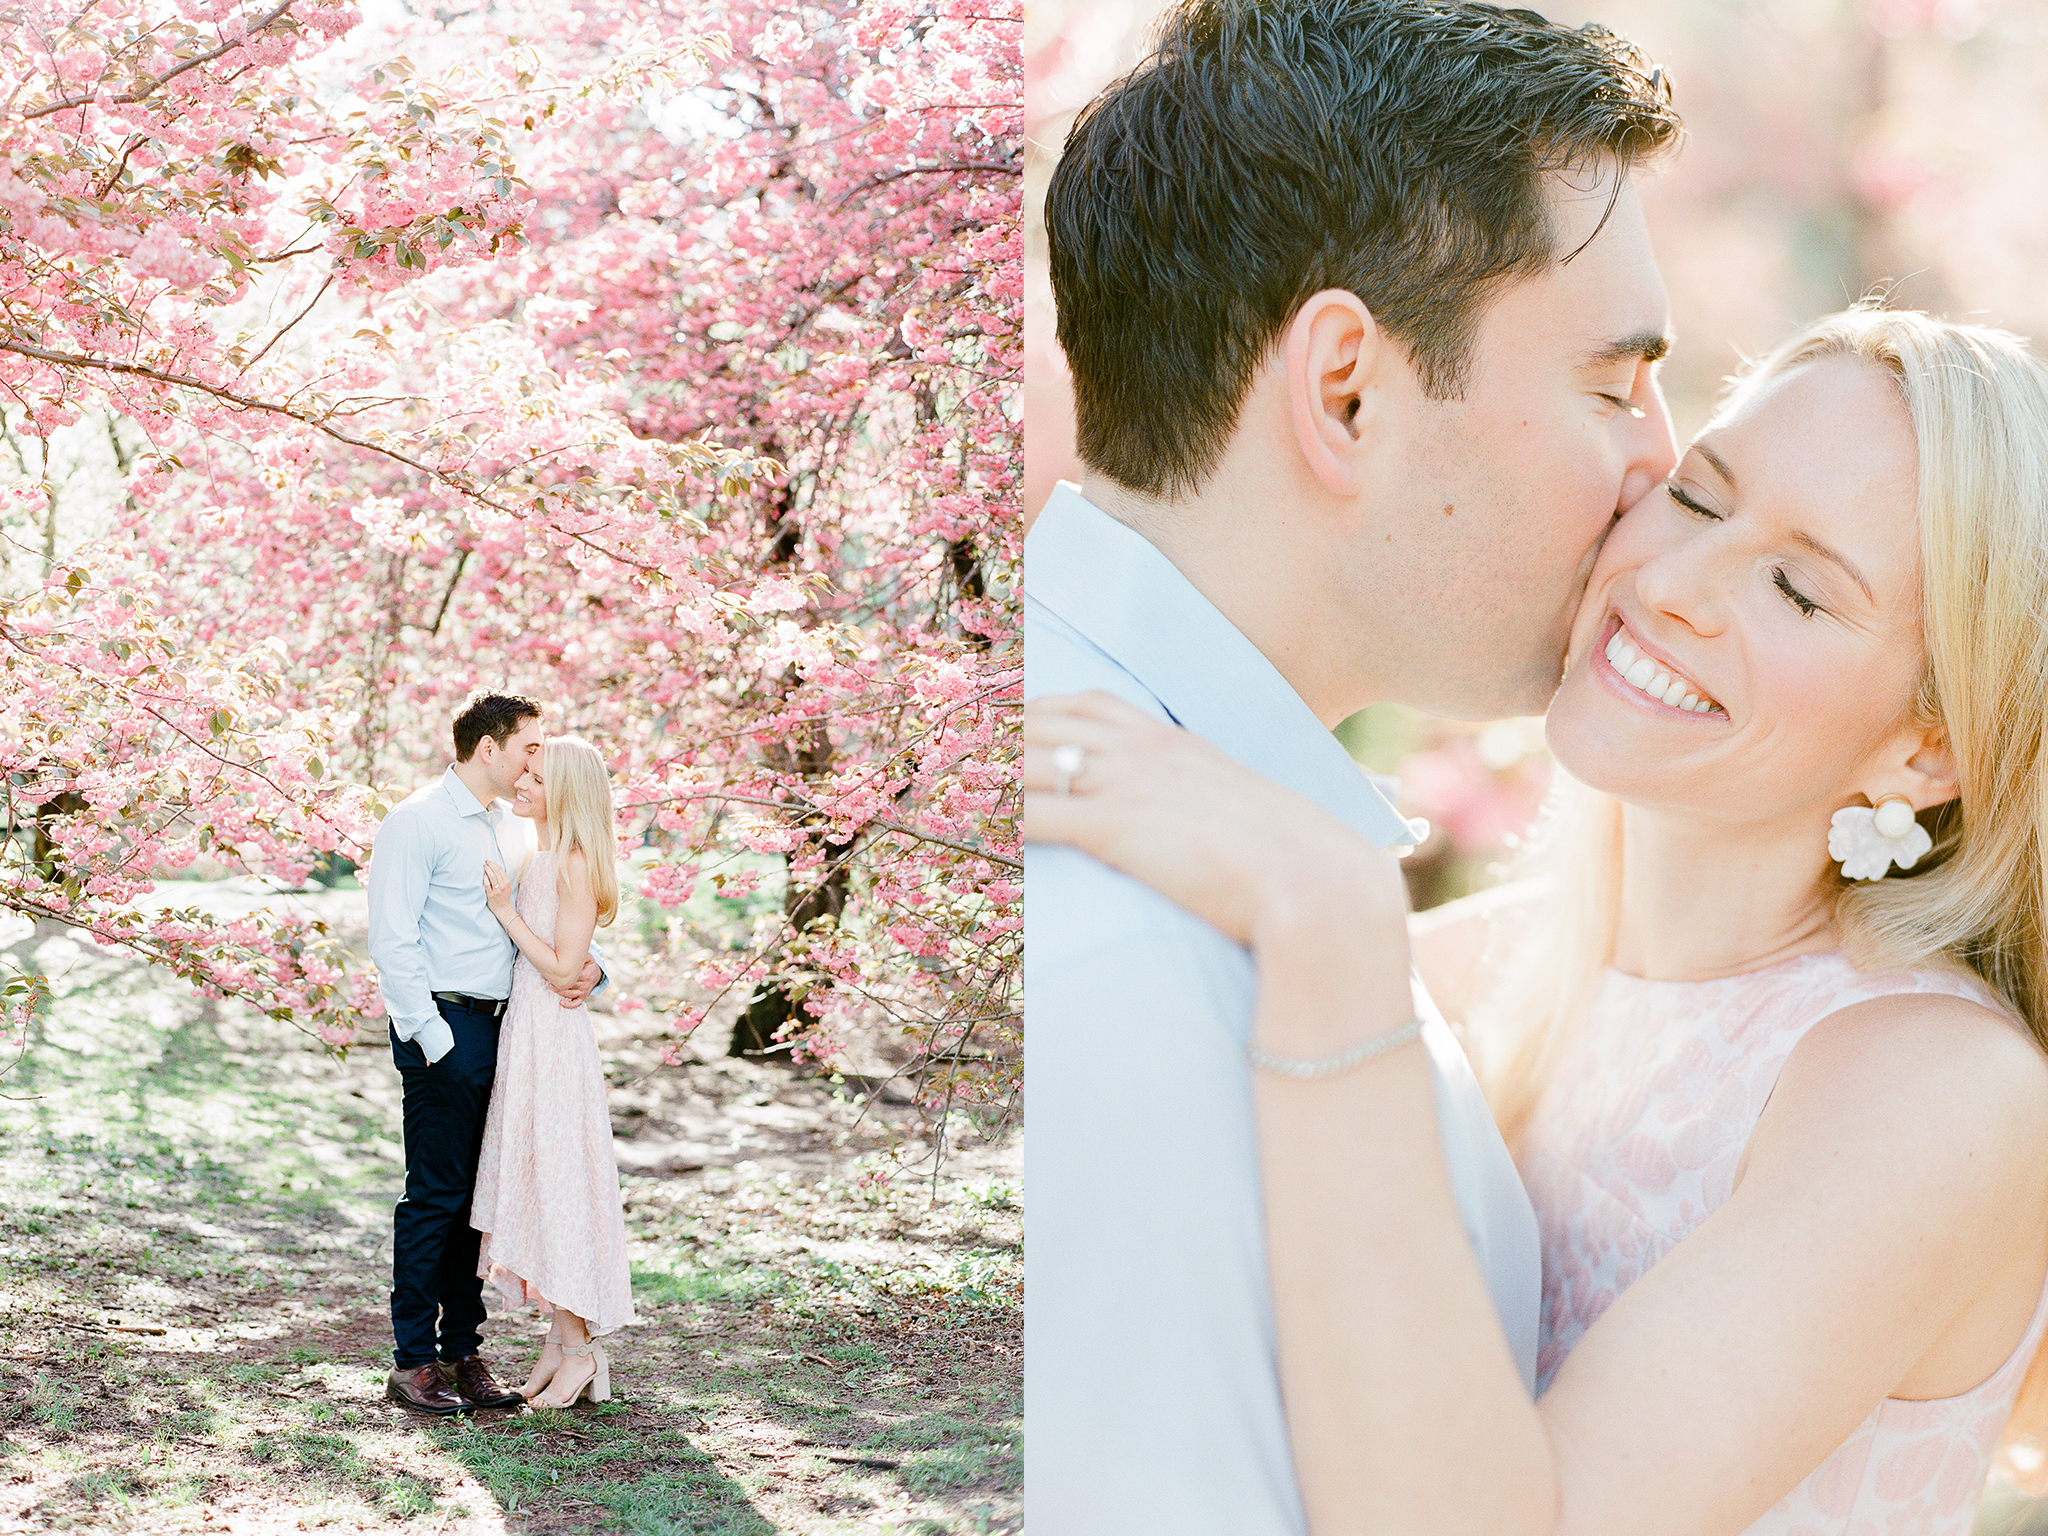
(1932,1041)
(1453,944)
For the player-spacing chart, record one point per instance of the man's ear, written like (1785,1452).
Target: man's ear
(1333,352)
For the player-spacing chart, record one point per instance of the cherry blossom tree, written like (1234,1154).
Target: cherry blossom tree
(667,370)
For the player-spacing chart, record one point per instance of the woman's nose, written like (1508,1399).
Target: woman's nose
(1685,583)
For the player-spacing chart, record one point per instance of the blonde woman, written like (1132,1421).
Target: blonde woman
(547,1184)
(1783,1110)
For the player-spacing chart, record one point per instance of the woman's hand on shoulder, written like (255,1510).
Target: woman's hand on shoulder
(1166,807)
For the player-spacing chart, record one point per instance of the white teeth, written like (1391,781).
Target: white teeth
(1641,672)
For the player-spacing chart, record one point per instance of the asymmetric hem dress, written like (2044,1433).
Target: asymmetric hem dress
(547,1181)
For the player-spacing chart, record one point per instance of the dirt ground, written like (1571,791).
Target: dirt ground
(194,1262)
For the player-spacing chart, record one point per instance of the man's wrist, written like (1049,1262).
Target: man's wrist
(433,1036)
(436,1040)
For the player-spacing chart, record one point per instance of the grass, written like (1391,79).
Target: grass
(194,1256)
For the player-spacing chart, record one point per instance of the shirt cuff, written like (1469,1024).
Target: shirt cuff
(435,1040)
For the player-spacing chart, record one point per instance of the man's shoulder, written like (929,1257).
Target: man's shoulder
(1058,659)
(417,811)
(1081,913)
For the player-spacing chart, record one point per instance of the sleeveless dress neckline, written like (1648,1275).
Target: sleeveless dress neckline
(1636,1142)
(1709,981)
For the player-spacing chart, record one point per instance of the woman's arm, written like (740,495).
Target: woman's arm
(1893,1201)
(1397,1379)
(1405,1409)
(562,962)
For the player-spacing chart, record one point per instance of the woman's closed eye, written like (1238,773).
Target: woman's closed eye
(1691,503)
(1799,600)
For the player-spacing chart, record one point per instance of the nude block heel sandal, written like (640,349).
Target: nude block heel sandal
(599,1385)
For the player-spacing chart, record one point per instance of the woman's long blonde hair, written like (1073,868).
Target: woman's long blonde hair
(1978,400)
(580,817)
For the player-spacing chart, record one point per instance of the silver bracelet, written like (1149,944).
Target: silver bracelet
(1328,1066)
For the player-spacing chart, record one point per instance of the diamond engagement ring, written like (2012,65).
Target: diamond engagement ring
(1067,763)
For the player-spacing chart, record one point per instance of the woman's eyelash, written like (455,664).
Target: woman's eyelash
(1699,509)
(1805,604)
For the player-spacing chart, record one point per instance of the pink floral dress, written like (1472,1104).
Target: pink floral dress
(547,1182)
(1636,1142)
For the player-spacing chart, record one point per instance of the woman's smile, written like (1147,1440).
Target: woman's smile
(1647,677)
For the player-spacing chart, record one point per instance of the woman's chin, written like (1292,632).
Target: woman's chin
(1592,751)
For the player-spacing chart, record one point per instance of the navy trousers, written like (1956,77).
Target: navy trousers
(437,1297)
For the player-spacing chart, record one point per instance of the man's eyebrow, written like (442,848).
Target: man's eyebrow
(1825,551)
(1649,346)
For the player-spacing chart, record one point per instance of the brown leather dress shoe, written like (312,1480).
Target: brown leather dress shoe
(472,1378)
(423,1389)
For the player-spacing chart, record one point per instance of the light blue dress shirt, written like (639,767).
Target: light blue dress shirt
(1151,1393)
(430,928)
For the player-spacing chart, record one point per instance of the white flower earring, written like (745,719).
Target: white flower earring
(1869,840)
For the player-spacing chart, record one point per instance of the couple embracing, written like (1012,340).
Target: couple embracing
(486,889)
(1749,1230)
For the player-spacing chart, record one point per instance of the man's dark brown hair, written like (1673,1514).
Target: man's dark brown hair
(1270,149)
(496,715)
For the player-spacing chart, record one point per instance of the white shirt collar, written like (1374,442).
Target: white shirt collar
(466,804)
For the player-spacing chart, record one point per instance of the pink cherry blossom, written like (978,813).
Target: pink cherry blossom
(662,362)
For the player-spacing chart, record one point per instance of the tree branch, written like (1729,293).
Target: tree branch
(289,324)
(157,82)
(320,424)
(873,821)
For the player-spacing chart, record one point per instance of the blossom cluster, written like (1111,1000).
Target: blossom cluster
(122,756)
(664,365)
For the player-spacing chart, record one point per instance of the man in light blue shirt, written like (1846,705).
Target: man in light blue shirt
(444,965)
(1361,379)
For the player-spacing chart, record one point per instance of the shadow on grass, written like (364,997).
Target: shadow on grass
(194,1244)
(835,1356)
(648,1478)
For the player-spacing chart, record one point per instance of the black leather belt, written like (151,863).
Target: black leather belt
(494,1006)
